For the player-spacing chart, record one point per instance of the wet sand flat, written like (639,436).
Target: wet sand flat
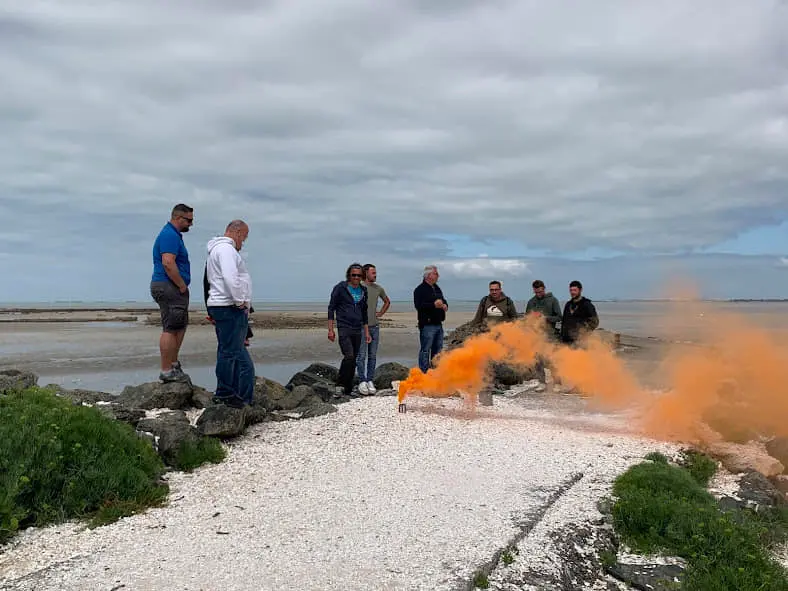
(131,349)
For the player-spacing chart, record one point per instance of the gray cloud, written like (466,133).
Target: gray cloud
(345,130)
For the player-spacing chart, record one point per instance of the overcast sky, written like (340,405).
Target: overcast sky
(619,143)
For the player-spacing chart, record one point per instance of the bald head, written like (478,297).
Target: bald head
(238,230)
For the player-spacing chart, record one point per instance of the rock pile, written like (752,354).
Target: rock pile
(504,375)
(170,415)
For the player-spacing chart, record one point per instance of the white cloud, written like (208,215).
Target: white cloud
(484,268)
(349,129)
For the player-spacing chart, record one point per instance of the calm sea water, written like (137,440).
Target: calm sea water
(674,321)
(640,318)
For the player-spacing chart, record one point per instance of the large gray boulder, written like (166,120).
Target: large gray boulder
(778,449)
(117,412)
(170,430)
(221,421)
(13,380)
(389,372)
(755,488)
(174,395)
(505,374)
(201,398)
(316,372)
(272,395)
(79,396)
(315,408)
(326,391)
(459,335)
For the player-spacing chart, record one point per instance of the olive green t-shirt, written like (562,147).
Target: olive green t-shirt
(374,291)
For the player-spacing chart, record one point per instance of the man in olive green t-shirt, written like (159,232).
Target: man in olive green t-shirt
(367,355)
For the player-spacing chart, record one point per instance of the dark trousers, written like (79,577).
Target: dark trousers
(349,344)
(234,366)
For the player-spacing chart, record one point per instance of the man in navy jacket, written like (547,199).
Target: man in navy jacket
(431,309)
(348,306)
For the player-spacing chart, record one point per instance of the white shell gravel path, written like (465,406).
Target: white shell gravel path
(364,498)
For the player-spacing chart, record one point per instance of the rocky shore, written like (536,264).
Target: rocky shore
(341,493)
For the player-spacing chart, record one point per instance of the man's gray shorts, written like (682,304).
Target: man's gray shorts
(173,304)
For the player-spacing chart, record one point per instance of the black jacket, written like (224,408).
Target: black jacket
(344,310)
(578,316)
(424,297)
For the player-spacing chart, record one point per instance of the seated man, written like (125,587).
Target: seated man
(495,307)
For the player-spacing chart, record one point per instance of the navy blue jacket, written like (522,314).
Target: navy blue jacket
(424,297)
(349,314)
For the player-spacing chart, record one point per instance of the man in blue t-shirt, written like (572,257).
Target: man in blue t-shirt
(169,288)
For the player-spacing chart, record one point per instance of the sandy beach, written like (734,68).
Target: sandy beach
(365,498)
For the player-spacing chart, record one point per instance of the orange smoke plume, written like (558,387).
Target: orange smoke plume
(735,383)
(731,380)
(466,370)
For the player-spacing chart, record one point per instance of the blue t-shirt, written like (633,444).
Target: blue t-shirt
(170,240)
(355,292)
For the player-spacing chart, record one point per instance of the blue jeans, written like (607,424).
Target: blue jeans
(431,343)
(368,355)
(234,366)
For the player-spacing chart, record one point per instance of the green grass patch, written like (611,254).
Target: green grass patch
(700,466)
(192,454)
(657,457)
(507,557)
(481,581)
(60,461)
(665,508)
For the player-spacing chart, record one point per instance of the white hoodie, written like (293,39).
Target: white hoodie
(229,281)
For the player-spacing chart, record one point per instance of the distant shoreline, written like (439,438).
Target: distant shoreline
(137,307)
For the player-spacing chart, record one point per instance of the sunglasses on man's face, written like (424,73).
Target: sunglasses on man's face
(355,274)
(190,220)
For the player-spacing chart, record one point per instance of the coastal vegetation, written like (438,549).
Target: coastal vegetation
(665,508)
(61,461)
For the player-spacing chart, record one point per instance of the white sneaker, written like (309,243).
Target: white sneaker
(371,388)
(363,389)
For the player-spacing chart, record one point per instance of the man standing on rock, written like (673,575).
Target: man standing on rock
(547,306)
(348,306)
(431,309)
(169,288)
(367,355)
(580,316)
(229,302)
(495,307)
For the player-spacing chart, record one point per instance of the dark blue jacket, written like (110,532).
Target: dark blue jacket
(424,297)
(349,314)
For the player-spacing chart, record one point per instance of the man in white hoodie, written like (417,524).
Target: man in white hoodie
(228,303)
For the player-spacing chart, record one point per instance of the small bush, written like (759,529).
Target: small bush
(481,581)
(700,466)
(193,454)
(61,461)
(507,557)
(663,508)
(657,457)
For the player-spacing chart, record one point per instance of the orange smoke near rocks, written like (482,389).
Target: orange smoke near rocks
(735,383)
(730,384)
